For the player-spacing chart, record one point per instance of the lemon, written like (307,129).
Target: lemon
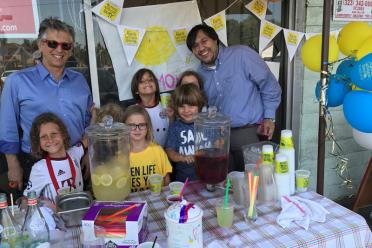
(106,180)
(96,180)
(121,182)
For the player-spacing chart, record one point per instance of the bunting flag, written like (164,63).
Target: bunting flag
(131,39)
(178,36)
(258,8)
(218,23)
(292,40)
(268,31)
(110,10)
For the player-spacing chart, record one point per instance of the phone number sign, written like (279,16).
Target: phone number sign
(352,10)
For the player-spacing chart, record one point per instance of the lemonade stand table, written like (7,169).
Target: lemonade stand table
(343,228)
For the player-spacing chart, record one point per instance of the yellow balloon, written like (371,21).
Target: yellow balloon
(352,36)
(364,49)
(311,52)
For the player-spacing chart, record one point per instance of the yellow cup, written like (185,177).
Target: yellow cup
(302,180)
(155,182)
(164,99)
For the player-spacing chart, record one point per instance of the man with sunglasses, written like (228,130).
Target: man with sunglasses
(46,87)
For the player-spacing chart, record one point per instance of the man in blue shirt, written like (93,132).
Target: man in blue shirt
(240,84)
(45,87)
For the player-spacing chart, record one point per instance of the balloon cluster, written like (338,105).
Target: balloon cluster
(352,83)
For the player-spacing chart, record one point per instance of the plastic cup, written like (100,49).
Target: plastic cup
(175,188)
(237,180)
(164,99)
(155,182)
(148,245)
(225,216)
(302,180)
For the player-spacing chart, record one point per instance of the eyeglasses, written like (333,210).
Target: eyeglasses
(140,126)
(54,44)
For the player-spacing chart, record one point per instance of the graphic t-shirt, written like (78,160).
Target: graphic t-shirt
(40,177)
(152,160)
(181,139)
(160,123)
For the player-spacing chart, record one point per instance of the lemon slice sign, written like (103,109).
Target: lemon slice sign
(156,47)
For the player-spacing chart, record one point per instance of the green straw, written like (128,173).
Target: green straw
(226,193)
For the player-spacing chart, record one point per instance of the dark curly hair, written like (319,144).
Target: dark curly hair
(43,119)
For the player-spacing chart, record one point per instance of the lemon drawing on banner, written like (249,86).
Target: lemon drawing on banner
(156,47)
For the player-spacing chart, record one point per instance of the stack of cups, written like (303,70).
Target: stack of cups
(282,177)
(287,149)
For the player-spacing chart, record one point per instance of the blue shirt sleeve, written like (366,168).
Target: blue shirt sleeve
(9,117)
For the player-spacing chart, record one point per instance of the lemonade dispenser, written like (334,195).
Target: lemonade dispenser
(108,149)
(212,143)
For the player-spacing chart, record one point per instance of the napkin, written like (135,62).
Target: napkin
(300,211)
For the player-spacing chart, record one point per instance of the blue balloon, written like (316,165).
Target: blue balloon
(361,73)
(358,110)
(335,93)
(344,69)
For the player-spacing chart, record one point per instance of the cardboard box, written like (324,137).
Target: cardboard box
(122,224)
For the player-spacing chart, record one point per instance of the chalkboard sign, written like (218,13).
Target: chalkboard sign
(364,196)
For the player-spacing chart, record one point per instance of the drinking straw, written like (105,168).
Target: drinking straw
(183,188)
(153,244)
(250,181)
(258,163)
(226,193)
(253,195)
(12,203)
(120,212)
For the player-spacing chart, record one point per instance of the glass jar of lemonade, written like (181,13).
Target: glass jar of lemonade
(109,159)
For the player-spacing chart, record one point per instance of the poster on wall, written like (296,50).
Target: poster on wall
(18,19)
(352,10)
(157,50)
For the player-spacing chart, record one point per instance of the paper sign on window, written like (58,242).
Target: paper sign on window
(268,30)
(180,36)
(217,23)
(110,11)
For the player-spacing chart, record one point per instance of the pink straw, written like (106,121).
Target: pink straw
(183,188)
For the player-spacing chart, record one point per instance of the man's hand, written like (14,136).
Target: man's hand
(268,128)
(15,171)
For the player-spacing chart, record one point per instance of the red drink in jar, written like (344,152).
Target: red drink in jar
(211,165)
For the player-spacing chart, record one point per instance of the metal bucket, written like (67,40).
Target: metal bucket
(71,207)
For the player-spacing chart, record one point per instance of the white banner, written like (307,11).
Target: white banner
(218,23)
(157,51)
(110,10)
(268,31)
(258,8)
(179,36)
(292,40)
(131,39)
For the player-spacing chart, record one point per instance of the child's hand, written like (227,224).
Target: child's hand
(188,159)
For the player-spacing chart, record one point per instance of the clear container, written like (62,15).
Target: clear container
(212,144)
(109,149)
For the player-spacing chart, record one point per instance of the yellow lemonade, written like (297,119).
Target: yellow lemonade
(111,181)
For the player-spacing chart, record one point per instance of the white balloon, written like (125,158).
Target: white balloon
(363,139)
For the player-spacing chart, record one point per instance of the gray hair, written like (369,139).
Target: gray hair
(52,23)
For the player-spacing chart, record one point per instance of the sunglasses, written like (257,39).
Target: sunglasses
(54,44)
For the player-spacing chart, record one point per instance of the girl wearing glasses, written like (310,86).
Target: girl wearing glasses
(145,90)
(188,102)
(59,165)
(146,157)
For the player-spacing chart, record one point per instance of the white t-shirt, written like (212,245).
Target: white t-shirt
(40,177)
(160,123)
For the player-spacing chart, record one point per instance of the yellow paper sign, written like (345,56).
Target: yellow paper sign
(180,36)
(268,30)
(109,10)
(217,23)
(292,38)
(131,37)
(258,8)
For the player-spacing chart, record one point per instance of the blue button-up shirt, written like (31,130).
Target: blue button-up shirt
(33,91)
(241,85)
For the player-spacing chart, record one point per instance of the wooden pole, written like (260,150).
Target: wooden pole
(324,82)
